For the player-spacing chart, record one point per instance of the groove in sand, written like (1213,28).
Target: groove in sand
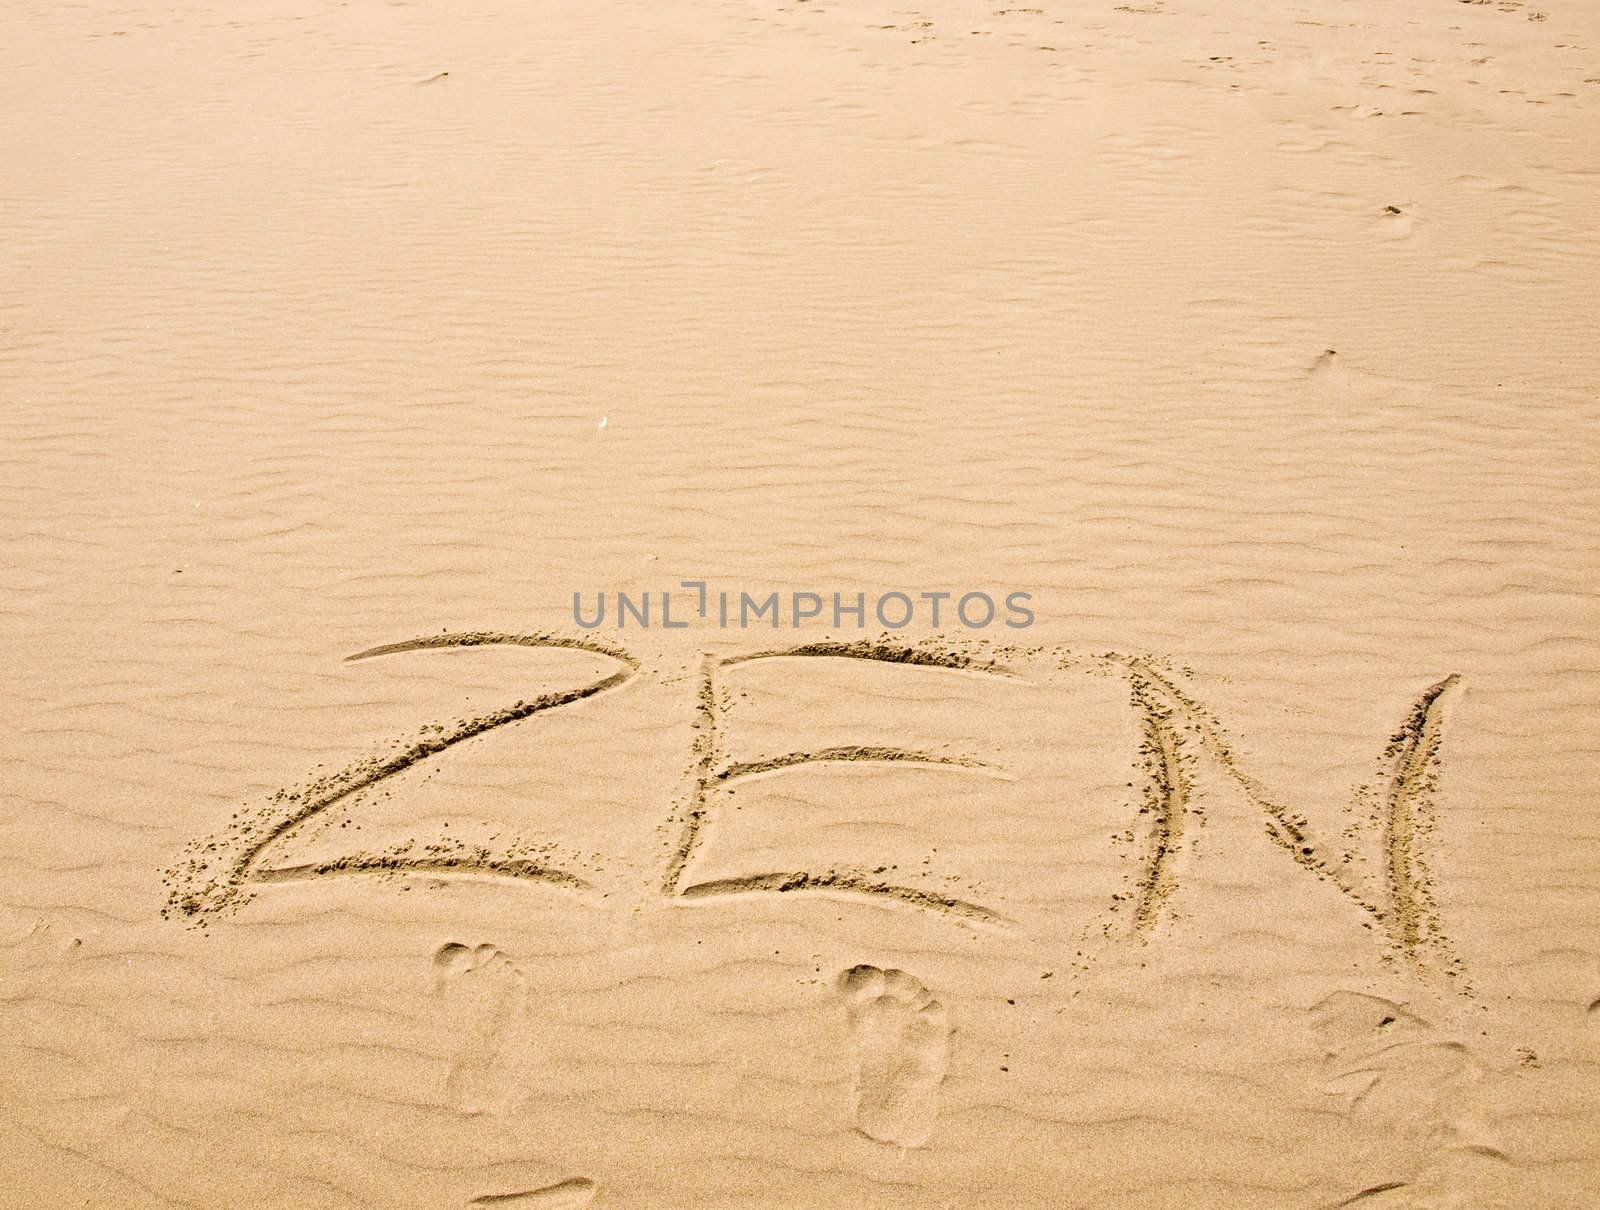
(526,871)
(835,881)
(882,652)
(870,754)
(1288,830)
(853,882)
(1413,752)
(493,638)
(329,791)
(1166,798)
(705,756)
(1403,904)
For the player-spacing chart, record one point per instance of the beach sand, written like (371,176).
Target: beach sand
(1257,344)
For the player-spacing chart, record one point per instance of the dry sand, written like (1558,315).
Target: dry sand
(1257,342)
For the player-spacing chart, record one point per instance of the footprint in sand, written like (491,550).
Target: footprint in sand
(1383,1061)
(902,1038)
(487,999)
(1407,1094)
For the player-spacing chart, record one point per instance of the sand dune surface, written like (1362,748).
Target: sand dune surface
(343,864)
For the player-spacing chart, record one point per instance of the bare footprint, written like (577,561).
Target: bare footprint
(487,998)
(902,1037)
(1408,1092)
(1389,1064)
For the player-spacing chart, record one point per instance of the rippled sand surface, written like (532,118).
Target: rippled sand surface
(1257,343)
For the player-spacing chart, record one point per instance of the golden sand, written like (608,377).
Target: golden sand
(343,865)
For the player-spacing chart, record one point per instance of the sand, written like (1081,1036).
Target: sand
(1256,343)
